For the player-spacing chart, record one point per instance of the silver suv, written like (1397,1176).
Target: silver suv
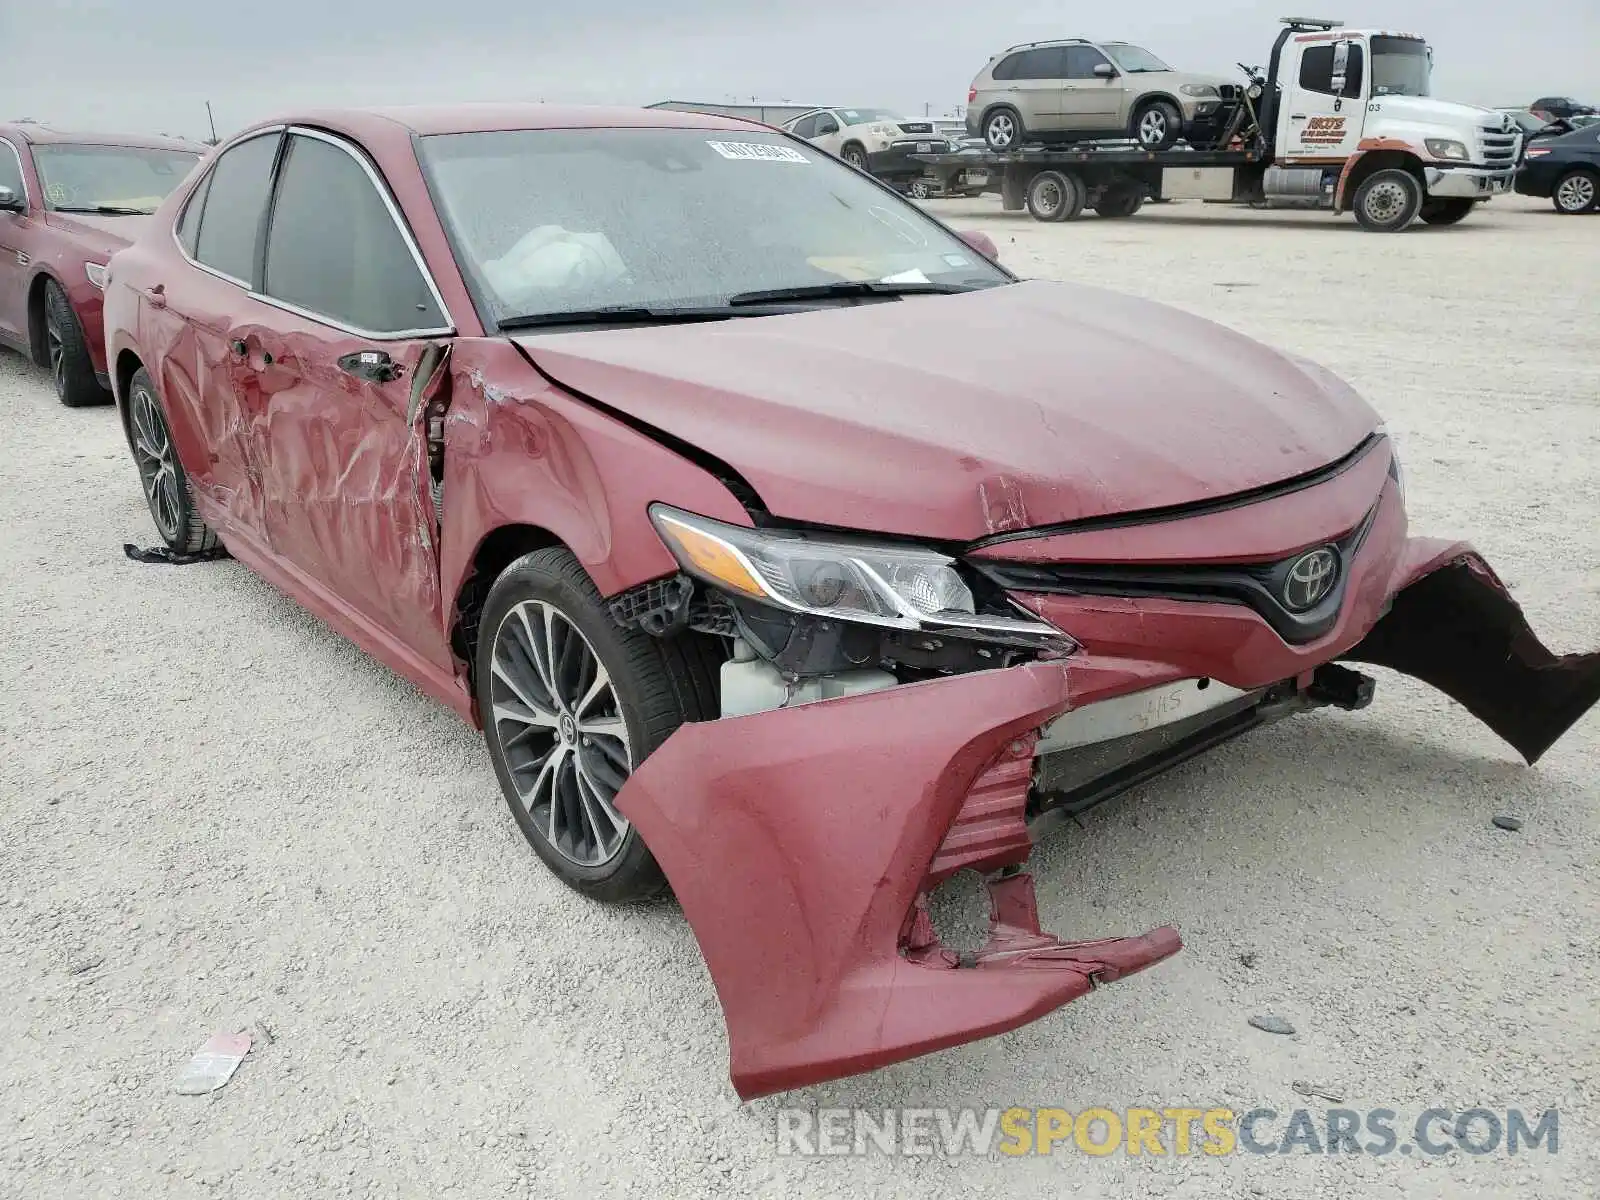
(1071,89)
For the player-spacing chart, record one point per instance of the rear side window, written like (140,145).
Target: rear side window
(235,199)
(189,222)
(1048,62)
(805,127)
(334,249)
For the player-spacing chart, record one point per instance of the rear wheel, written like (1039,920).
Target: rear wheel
(1156,125)
(1002,130)
(571,703)
(166,487)
(1054,196)
(1446,210)
(67,352)
(1121,201)
(1387,201)
(1576,192)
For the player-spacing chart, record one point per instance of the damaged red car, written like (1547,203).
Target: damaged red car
(788,550)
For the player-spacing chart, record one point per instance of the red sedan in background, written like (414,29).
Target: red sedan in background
(68,201)
(786,548)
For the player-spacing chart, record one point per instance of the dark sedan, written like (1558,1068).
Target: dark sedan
(1564,170)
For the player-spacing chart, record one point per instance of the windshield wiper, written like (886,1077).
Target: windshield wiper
(845,289)
(616,314)
(105,210)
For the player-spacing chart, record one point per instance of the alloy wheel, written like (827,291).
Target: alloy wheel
(1153,127)
(559,725)
(57,349)
(1576,193)
(1002,129)
(152,453)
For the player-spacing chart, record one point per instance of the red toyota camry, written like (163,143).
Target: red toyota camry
(68,201)
(787,549)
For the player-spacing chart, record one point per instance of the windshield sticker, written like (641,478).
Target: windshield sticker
(758,152)
(957,260)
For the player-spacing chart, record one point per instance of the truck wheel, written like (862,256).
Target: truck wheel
(1002,130)
(1054,196)
(1576,192)
(1156,125)
(1120,202)
(1387,201)
(1446,210)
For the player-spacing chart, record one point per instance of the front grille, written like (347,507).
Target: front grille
(1260,586)
(1499,147)
(1229,91)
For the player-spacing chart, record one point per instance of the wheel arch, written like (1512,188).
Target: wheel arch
(496,550)
(42,279)
(1149,98)
(1368,160)
(125,363)
(995,107)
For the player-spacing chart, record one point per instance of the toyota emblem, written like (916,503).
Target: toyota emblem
(1311,577)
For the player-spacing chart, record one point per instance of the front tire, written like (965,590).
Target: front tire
(166,486)
(919,190)
(67,352)
(1446,210)
(571,703)
(855,155)
(1156,125)
(1387,201)
(1576,192)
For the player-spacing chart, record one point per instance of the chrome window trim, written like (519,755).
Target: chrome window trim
(22,174)
(446,330)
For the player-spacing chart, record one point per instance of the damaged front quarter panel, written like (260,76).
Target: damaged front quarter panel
(802,851)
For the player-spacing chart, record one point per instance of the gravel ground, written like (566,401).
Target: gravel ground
(217,814)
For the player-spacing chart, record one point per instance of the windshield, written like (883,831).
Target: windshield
(1133,59)
(119,178)
(1400,67)
(549,221)
(864,116)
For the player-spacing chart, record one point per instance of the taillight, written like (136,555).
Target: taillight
(972,93)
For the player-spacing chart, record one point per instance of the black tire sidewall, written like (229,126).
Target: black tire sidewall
(855,155)
(555,577)
(1071,197)
(79,387)
(1412,208)
(192,535)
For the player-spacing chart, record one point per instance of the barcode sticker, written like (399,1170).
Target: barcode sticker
(758,151)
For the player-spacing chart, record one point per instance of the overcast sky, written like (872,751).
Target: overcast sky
(150,66)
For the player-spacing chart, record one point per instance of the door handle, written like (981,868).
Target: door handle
(157,295)
(1297,116)
(373,366)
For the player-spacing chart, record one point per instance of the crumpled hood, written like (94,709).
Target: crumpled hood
(955,417)
(95,232)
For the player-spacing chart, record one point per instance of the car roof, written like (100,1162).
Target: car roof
(424,119)
(47,135)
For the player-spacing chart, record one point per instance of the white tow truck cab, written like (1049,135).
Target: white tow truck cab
(1342,119)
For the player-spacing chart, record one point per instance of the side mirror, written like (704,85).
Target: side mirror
(981,242)
(9,200)
(1104,71)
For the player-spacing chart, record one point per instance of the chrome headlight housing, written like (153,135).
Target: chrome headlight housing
(892,586)
(1448,150)
(1200,90)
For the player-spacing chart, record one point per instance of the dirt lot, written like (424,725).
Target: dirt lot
(215,813)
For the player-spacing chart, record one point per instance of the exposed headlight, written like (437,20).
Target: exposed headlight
(1446,149)
(1199,89)
(99,274)
(896,587)
(1396,471)
(887,131)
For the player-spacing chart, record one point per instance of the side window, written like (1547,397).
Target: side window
(189,222)
(11,169)
(333,247)
(236,197)
(1006,68)
(1082,60)
(1049,62)
(805,127)
(825,124)
(1316,69)
(1352,73)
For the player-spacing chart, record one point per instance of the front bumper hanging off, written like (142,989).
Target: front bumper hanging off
(802,843)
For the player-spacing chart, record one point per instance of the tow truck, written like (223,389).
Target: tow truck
(1340,119)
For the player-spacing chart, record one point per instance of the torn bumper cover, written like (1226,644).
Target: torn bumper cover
(802,842)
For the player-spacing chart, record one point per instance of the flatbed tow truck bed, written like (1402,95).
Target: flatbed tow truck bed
(1056,183)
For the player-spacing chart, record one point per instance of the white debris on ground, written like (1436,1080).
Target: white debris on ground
(217,814)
